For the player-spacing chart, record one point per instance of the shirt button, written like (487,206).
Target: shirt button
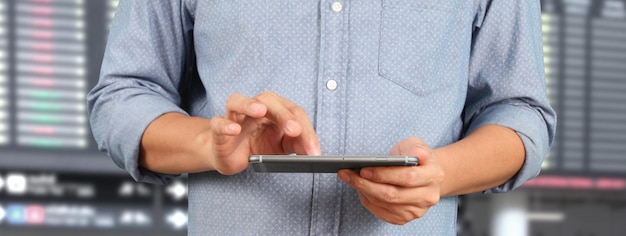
(331,85)
(337,7)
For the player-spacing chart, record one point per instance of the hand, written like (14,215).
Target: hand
(265,124)
(399,194)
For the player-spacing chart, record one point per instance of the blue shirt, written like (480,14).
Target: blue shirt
(369,73)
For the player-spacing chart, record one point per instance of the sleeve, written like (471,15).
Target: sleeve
(141,71)
(507,85)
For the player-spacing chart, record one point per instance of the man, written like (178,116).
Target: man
(198,86)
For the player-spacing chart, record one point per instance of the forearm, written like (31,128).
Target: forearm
(488,157)
(172,144)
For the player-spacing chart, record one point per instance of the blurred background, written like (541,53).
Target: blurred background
(53,179)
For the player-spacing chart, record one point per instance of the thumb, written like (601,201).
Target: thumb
(413,147)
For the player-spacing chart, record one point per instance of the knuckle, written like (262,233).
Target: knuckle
(397,222)
(359,183)
(390,195)
(440,176)
(408,219)
(401,220)
(214,122)
(298,111)
(417,214)
(265,95)
(233,96)
(411,176)
(284,115)
(231,168)
(415,139)
(431,200)
(230,101)
(364,202)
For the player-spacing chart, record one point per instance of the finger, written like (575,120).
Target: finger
(403,176)
(222,126)
(385,193)
(307,141)
(294,121)
(417,197)
(224,133)
(428,172)
(279,111)
(414,147)
(406,176)
(398,214)
(409,146)
(379,211)
(238,105)
(228,158)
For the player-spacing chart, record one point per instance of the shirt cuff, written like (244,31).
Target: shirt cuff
(532,130)
(137,113)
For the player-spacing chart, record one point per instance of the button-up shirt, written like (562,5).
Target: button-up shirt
(369,73)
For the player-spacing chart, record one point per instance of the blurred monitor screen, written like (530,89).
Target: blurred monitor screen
(53,176)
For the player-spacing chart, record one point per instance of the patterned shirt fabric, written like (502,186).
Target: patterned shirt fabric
(369,73)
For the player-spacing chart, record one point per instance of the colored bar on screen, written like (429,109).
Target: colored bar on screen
(31,33)
(29,68)
(49,82)
(45,46)
(39,57)
(50,142)
(49,94)
(24,104)
(51,118)
(47,130)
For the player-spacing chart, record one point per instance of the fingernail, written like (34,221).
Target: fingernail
(291,126)
(316,152)
(231,128)
(365,173)
(313,149)
(254,107)
(344,176)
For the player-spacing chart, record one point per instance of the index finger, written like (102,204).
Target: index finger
(292,119)
(239,105)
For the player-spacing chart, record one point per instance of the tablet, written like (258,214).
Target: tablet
(324,164)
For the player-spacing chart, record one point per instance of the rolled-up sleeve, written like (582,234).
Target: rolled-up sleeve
(507,85)
(139,79)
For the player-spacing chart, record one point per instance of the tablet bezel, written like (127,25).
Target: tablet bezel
(324,164)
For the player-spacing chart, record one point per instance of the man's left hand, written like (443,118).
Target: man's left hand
(399,194)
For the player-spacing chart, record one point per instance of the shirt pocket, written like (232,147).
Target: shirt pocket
(412,42)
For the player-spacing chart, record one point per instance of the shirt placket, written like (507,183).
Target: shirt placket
(330,117)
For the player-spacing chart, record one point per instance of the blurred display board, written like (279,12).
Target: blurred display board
(50,54)
(54,181)
(585,64)
(33,202)
(51,50)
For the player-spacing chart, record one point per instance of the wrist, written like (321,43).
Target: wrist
(442,155)
(173,144)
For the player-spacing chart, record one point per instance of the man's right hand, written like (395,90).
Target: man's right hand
(265,124)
